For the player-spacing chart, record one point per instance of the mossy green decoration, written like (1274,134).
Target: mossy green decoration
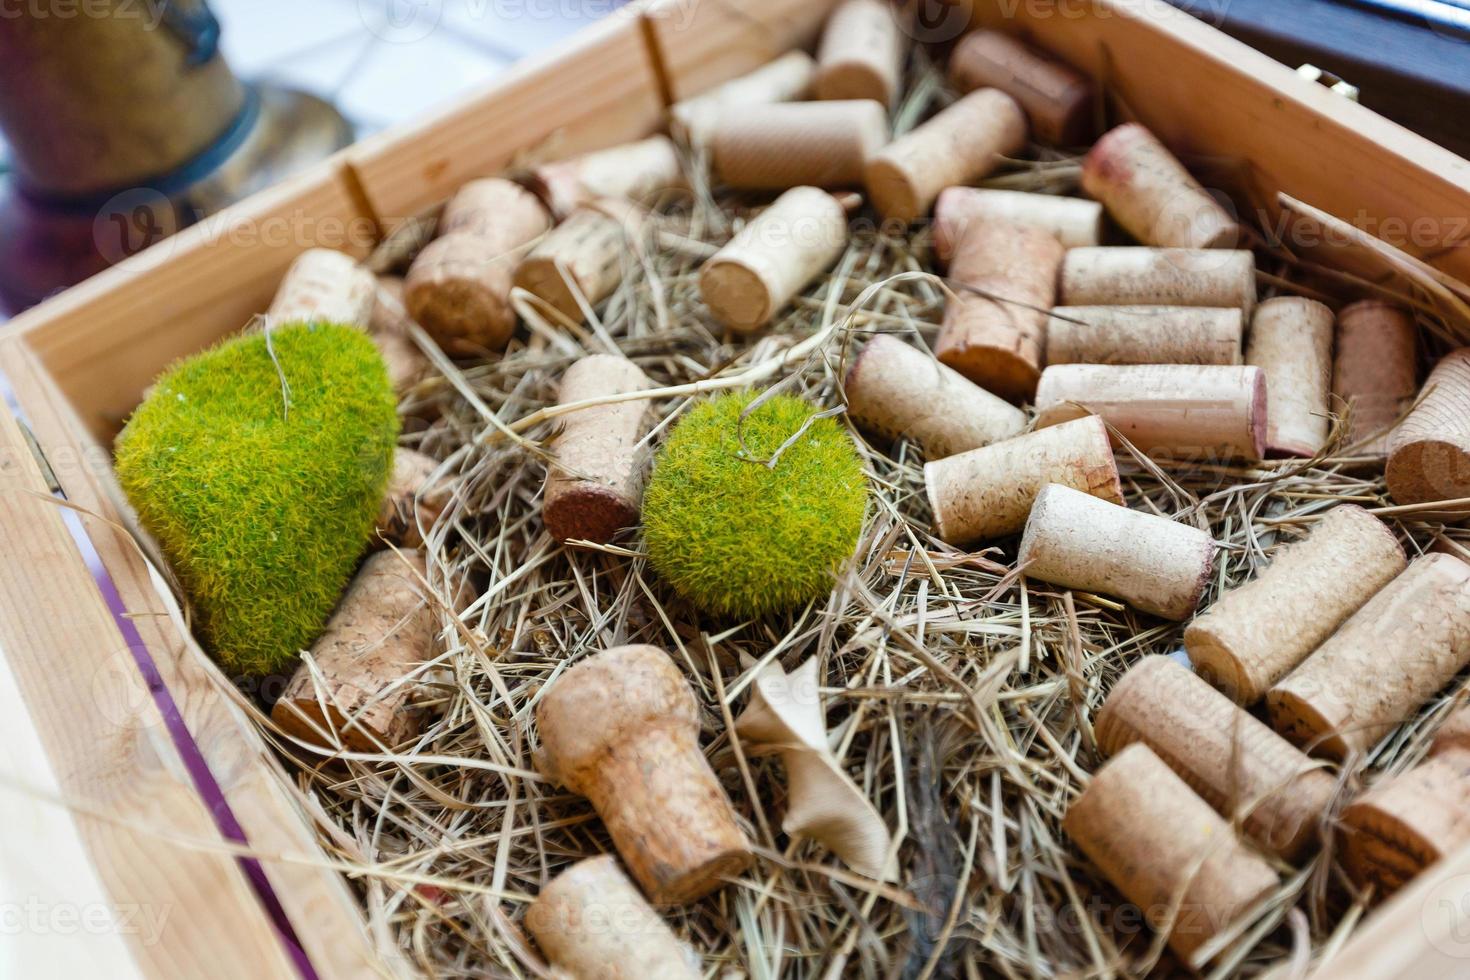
(263,495)
(737,537)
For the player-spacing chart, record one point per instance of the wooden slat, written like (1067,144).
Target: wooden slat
(110,749)
(325,915)
(704,43)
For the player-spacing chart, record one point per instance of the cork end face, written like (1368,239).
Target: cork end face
(1427,470)
(462,315)
(541,278)
(892,191)
(1001,372)
(736,295)
(302,718)
(1257,420)
(1300,722)
(1106,164)
(932,478)
(1380,849)
(1216,663)
(703,880)
(586,511)
(844,81)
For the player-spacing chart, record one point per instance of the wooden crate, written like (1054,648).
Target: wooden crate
(79,364)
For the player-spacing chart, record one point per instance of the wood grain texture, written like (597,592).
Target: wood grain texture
(701,44)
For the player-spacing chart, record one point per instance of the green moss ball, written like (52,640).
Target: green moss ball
(736,537)
(264,509)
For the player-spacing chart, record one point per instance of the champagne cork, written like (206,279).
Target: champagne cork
(785,79)
(862,53)
(1374,372)
(406,364)
(1390,657)
(1152,196)
(1429,453)
(1154,564)
(1164,848)
(582,256)
(1407,822)
(897,391)
(1144,335)
(414,499)
(324,286)
(997,337)
(1453,733)
(595,487)
(1159,276)
(823,144)
(1257,634)
(458,289)
(1231,759)
(1073,221)
(774,258)
(1057,98)
(622,729)
(1183,411)
(988,492)
(640,172)
(1291,342)
(592,924)
(383,629)
(961,144)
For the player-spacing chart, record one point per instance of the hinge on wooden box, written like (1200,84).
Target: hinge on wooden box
(46,471)
(1335,82)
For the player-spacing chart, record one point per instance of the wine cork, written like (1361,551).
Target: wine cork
(1291,342)
(988,492)
(592,924)
(1152,196)
(458,289)
(1231,759)
(773,258)
(1077,541)
(961,144)
(640,172)
(1073,221)
(595,487)
(326,287)
(823,144)
(407,365)
(1391,656)
(1165,849)
(897,391)
(414,499)
(383,629)
(581,257)
(1057,98)
(1374,372)
(1257,634)
(1429,452)
(996,337)
(784,79)
(1159,276)
(1408,822)
(1144,335)
(862,53)
(1453,733)
(1183,411)
(622,729)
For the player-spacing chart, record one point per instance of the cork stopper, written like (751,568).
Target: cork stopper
(1453,733)
(997,337)
(1152,195)
(1429,453)
(1235,762)
(960,145)
(458,289)
(1144,335)
(784,79)
(642,173)
(1163,847)
(414,501)
(898,392)
(862,53)
(1077,541)
(1073,221)
(1291,342)
(1408,822)
(622,729)
(1374,372)
(362,691)
(595,487)
(1182,411)
(1159,276)
(773,258)
(592,924)
(987,493)
(823,144)
(1257,634)
(388,326)
(1057,98)
(326,287)
(582,259)
(1391,656)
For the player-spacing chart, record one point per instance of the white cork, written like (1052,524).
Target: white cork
(1075,222)
(1107,276)
(327,287)
(784,79)
(1144,335)
(862,53)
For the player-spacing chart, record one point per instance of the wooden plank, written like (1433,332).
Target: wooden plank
(325,915)
(597,89)
(137,812)
(704,43)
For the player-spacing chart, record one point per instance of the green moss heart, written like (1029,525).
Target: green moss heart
(261,493)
